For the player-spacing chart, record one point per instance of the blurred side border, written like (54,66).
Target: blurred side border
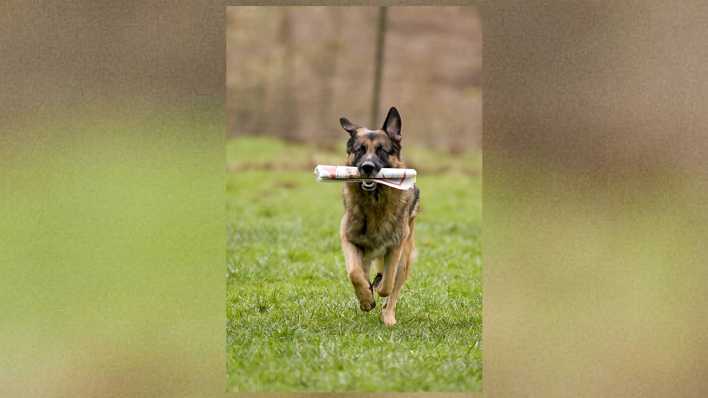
(114,268)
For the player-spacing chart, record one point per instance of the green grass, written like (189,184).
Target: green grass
(293,323)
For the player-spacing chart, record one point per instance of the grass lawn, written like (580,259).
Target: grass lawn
(293,322)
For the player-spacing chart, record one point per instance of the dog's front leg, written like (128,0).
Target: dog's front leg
(388,315)
(353,259)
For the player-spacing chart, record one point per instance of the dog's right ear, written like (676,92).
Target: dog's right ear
(348,126)
(392,124)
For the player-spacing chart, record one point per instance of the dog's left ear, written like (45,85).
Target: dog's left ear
(348,126)
(392,124)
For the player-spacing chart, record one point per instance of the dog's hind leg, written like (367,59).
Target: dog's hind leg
(378,268)
(391,260)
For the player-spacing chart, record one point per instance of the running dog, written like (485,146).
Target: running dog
(378,223)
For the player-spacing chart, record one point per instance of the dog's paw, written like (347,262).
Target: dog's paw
(366,298)
(388,318)
(367,306)
(377,281)
(381,291)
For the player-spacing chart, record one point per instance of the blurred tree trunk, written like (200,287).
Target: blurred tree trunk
(285,122)
(327,66)
(379,59)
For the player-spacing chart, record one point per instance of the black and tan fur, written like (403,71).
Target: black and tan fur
(378,225)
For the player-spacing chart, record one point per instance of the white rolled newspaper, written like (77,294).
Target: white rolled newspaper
(402,179)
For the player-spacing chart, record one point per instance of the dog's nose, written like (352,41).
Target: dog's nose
(368,167)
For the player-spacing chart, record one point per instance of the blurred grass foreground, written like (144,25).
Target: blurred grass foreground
(293,321)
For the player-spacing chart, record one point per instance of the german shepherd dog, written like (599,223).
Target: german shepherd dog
(378,222)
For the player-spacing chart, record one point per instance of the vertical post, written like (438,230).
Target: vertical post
(287,124)
(378,65)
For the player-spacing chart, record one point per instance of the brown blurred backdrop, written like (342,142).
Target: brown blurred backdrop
(98,52)
(292,72)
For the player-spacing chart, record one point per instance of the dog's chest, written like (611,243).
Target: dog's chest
(374,227)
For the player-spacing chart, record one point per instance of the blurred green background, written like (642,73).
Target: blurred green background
(106,220)
(595,199)
(111,195)
(112,248)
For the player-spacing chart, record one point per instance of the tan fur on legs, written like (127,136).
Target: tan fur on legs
(388,315)
(353,259)
(391,260)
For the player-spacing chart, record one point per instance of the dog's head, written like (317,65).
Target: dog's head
(371,150)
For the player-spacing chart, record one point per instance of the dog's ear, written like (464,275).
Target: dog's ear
(392,124)
(348,126)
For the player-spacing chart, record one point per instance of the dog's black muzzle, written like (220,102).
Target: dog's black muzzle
(368,169)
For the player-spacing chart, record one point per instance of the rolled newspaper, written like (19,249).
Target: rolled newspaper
(402,179)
